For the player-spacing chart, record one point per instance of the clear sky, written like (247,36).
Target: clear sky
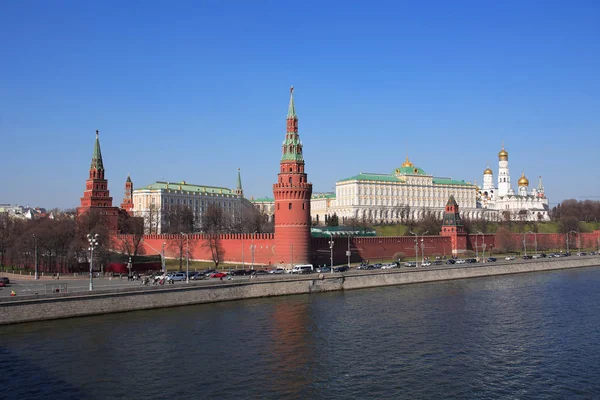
(193,90)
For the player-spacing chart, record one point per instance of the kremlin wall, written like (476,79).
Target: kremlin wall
(292,243)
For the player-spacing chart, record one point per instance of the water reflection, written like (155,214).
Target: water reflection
(519,336)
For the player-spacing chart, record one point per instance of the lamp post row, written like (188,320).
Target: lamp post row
(93,241)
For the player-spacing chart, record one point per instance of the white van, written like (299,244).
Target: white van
(303,269)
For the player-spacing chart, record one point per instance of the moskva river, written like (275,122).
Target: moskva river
(529,336)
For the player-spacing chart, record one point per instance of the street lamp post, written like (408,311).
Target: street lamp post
(162,256)
(476,249)
(483,245)
(381,251)
(93,240)
(348,253)
(331,251)
(252,247)
(187,258)
(35,255)
(534,240)
(416,248)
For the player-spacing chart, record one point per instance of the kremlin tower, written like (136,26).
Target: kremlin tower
(452,226)
(292,194)
(96,197)
(127,203)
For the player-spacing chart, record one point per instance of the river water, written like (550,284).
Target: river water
(529,336)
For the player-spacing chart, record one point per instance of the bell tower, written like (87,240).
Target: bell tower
(292,194)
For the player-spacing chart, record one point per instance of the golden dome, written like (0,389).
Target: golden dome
(488,171)
(503,155)
(523,181)
(407,163)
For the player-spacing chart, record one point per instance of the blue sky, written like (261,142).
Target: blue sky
(193,90)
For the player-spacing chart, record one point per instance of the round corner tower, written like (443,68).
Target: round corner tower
(292,194)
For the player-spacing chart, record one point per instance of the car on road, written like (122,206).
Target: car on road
(410,264)
(218,275)
(197,276)
(437,262)
(527,257)
(324,269)
(491,259)
(461,261)
(426,264)
(177,276)
(450,262)
(261,272)
(343,268)
(388,266)
(5,280)
(509,258)
(277,271)
(236,272)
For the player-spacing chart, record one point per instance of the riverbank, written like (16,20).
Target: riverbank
(67,305)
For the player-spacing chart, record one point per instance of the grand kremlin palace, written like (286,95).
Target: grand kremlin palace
(411,193)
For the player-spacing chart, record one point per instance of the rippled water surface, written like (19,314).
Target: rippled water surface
(530,336)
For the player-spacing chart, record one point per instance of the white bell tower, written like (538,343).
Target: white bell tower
(503,173)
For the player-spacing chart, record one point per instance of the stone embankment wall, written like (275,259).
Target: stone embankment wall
(66,305)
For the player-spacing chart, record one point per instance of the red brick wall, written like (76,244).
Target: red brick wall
(232,244)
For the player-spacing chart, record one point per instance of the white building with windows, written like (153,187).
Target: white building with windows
(152,202)
(407,193)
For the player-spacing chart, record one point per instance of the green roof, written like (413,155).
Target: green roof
(446,181)
(365,176)
(186,187)
(328,195)
(263,200)
(97,155)
(409,171)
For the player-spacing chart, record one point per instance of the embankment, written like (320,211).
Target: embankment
(67,305)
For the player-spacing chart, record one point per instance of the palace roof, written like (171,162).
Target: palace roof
(186,187)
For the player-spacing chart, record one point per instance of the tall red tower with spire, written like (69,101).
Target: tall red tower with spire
(127,203)
(292,198)
(96,197)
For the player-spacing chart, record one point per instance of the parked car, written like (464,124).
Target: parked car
(426,264)
(461,261)
(527,257)
(237,272)
(277,271)
(197,276)
(343,268)
(509,258)
(5,280)
(209,272)
(438,262)
(261,272)
(410,264)
(491,259)
(324,269)
(450,262)
(378,265)
(388,266)
(218,275)
(177,276)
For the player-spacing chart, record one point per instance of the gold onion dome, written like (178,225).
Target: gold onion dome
(523,181)
(407,163)
(488,171)
(503,155)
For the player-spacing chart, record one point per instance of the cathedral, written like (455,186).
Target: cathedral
(524,205)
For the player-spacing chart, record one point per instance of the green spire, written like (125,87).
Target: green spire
(451,201)
(97,156)
(291,108)
(292,146)
(128,178)
(239,182)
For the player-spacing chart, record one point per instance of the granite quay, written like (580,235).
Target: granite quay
(130,298)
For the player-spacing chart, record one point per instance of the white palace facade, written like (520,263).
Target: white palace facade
(409,193)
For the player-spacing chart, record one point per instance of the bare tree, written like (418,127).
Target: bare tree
(214,245)
(133,230)
(179,218)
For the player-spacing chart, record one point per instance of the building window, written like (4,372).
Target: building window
(289,206)
(303,206)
